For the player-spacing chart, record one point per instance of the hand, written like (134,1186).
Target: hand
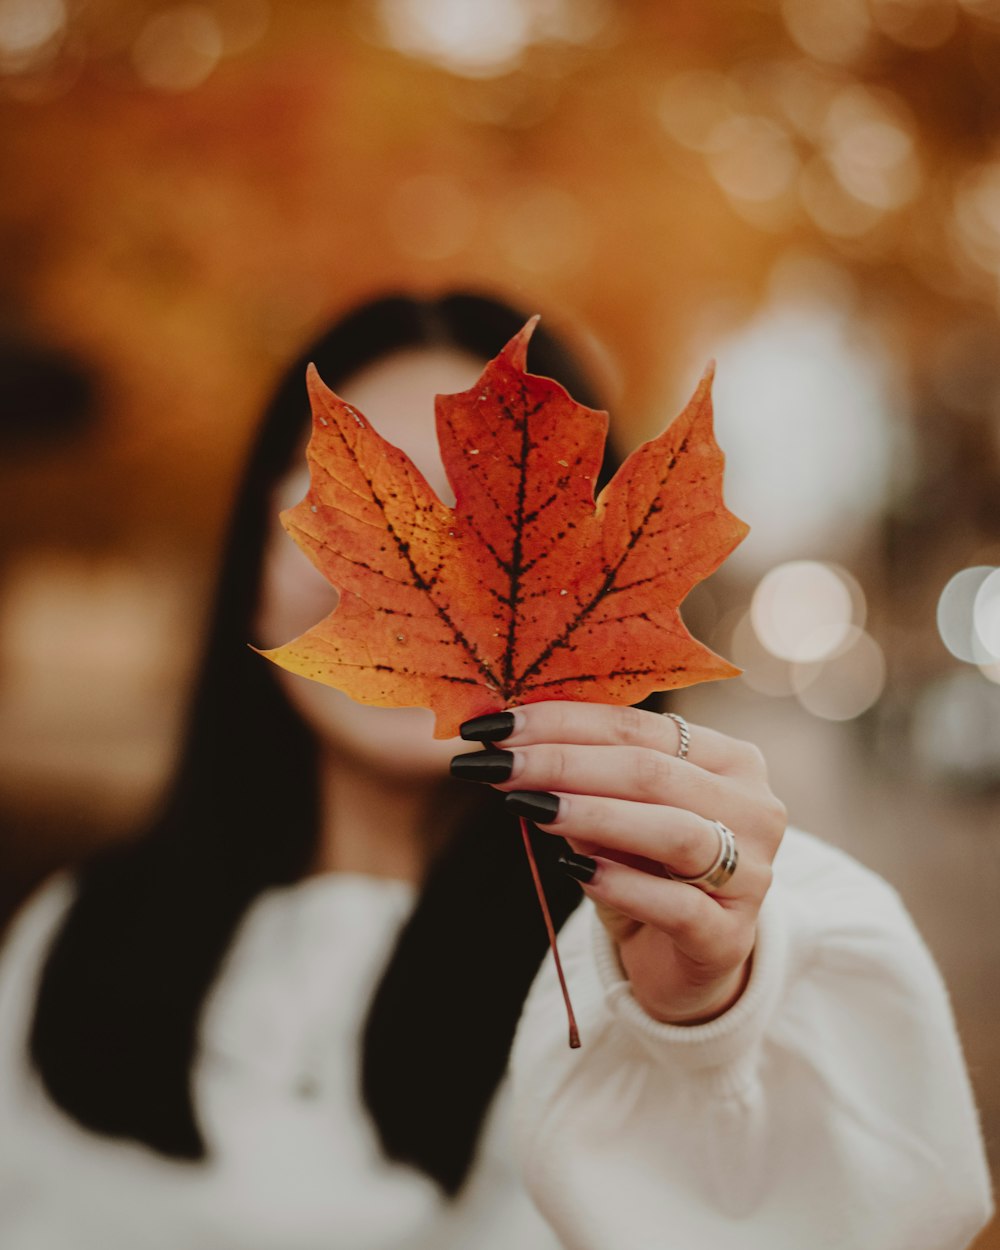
(608,779)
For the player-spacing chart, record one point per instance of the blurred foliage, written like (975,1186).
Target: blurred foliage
(193,190)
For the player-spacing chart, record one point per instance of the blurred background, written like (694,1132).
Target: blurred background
(807,191)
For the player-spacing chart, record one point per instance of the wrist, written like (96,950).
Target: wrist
(702,1005)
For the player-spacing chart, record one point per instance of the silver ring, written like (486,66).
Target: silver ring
(684,731)
(724,864)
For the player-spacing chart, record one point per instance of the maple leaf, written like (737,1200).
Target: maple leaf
(527,589)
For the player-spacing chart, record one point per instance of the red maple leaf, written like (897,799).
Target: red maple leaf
(527,589)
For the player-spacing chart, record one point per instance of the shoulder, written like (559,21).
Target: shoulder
(836,910)
(805,861)
(33,926)
(25,944)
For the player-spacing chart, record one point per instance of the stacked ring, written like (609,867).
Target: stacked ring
(723,866)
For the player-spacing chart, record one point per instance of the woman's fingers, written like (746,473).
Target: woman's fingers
(610,781)
(641,775)
(670,839)
(594,724)
(704,931)
(641,819)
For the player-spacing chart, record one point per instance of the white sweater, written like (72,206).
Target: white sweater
(829,1108)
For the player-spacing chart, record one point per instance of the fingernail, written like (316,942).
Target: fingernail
(536,805)
(483,766)
(579,867)
(490,728)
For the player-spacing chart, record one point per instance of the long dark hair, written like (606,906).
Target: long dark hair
(115,1030)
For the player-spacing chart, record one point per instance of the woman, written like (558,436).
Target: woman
(310,1006)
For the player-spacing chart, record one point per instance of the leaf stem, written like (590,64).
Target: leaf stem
(574,1034)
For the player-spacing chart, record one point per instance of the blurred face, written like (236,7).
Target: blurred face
(396,394)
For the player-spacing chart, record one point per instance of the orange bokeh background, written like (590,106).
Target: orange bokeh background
(193,190)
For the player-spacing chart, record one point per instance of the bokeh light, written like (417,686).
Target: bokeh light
(802,92)
(831,205)
(489,37)
(991,672)
(694,104)
(30,32)
(956,619)
(830,32)
(915,23)
(986,617)
(178,48)
(977,216)
(762,670)
(804,611)
(848,682)
(242,23)
(871,150)
(122,615)
(751,158)
(804,413)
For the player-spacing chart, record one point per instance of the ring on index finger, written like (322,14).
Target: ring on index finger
(685,732)
(723,866)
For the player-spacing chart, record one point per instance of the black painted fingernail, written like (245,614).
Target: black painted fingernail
(579,867)
(483,766)
(536,805)
(488,728)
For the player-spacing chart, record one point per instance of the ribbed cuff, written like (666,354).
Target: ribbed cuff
(721,1042)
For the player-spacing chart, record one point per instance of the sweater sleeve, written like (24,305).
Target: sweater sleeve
(829,1108)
